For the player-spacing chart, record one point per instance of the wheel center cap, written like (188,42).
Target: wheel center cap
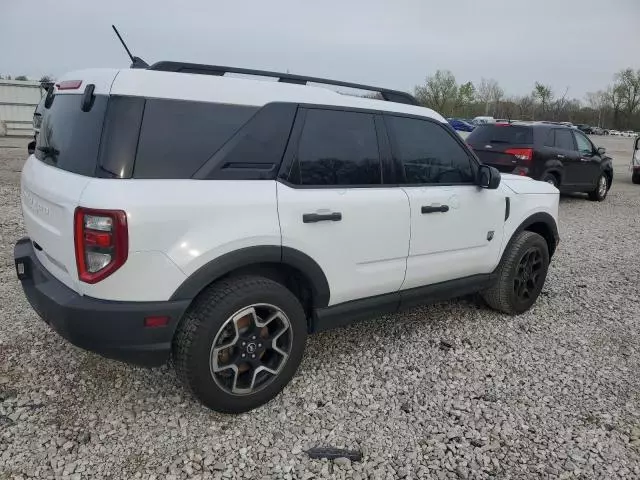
(251,347)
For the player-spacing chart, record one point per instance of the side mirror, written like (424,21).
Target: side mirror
(602,150)
(488,177)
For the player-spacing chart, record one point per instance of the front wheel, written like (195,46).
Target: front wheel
(635,178)
(240,343)
(601,190)
(521,274)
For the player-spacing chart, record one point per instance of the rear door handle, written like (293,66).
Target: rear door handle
(321,217)
(434,208)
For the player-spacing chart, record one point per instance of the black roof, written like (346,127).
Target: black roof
(396,96)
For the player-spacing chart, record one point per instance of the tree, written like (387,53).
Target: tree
(628,85)
(544,94)
(439,92)
(21,77)
(46,79)
(489,93)
(597,101)
(466,97)
(613,98)
(526,106)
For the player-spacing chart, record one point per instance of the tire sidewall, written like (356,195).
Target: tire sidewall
(203,384)
(551,176)
(519,306)
(597,195)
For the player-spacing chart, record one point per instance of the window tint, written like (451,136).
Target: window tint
(510,134)
(178,137)
(584,145)
(429,153)
(70,138)
(337,148)
(564,140)
(550,140)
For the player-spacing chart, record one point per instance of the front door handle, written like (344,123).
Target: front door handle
(559,156)
(321,217)
(435,208)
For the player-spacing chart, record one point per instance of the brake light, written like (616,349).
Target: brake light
(520,153)
(69,84)
(101,242)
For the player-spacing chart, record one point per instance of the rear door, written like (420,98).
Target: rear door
(54,178)
(333,206)
(498,145)
(589,159)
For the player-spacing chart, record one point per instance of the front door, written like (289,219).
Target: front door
(334,208)
(590,159)
(456,227)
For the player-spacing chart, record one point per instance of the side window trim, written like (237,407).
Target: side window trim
(400,178)
(290,158)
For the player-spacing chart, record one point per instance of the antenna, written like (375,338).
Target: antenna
(136,62)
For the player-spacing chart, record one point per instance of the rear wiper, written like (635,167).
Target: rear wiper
(50,152)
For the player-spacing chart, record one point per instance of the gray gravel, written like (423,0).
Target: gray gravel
(554,393)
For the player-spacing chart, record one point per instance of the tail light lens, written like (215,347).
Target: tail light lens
(101,241)
(525,154)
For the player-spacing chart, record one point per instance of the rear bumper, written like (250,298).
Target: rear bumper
(112,329)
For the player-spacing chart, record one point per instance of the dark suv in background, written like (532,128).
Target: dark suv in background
(562,156)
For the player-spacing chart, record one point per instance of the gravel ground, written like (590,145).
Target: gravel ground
(447,391)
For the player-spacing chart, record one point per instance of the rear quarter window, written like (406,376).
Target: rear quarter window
(177,137)
(69,138)
(510,134)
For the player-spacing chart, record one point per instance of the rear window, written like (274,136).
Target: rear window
(70,138)
(510,134)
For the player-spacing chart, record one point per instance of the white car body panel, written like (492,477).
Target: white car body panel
(364,254)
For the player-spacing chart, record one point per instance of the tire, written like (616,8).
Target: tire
(226,308)
(601,190)
(635,178)
(503,294)
(551,178)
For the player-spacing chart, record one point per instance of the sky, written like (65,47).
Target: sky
(578,44)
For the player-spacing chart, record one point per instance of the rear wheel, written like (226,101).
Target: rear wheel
(240,343)
(551,178)
(602,187)
(521,274)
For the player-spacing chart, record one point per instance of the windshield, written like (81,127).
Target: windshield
(70,138)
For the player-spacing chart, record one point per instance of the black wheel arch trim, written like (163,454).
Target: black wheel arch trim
(540,217)
(246,257)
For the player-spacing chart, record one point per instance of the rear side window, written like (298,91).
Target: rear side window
(564,139)
(337,148)
(428,152)
(177,137)
(509,134)
(70,138)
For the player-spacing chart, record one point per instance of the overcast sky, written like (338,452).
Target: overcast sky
(392,43)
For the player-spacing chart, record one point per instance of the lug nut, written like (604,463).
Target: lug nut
(244,355)
(253,356)
(244,343)
(259,345)
(253,338)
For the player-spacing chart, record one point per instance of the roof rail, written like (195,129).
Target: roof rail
(388,95)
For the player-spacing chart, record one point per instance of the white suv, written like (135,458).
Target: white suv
(177,211)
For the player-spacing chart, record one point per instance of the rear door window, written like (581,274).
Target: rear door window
(69,138)
(337,148)
(564,139)
(508,134)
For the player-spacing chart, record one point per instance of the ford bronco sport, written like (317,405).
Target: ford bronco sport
(177,211)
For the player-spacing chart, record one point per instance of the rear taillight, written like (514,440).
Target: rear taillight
(102,242)
(520,153)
